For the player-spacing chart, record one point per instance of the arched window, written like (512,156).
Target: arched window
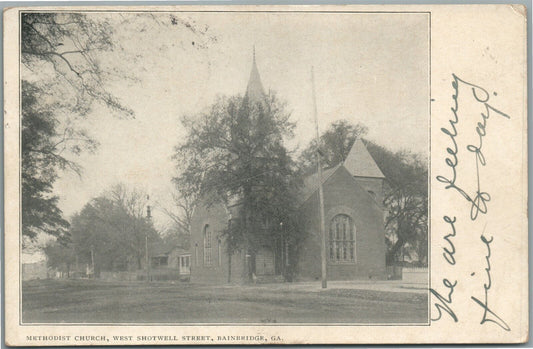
(207,245)
(374,196)
(342,239)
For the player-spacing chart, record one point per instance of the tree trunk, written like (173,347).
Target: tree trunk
(392,252)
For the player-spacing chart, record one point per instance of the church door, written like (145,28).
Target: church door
(264,261)
(184,265)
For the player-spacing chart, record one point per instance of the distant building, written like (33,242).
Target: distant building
(34,271)
(354,220)
(168,262)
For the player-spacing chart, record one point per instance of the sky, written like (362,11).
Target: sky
(369,68)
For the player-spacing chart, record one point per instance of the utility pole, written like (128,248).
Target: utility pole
(147,259)
(148,217)
(282,245)
(92,261)
(320,191)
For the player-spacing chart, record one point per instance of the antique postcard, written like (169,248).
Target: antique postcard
(265,175)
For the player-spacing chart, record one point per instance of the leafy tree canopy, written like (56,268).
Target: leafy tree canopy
(113,227)
(335,144)
(59,256)
(235,152)
(61,78)
(64,75)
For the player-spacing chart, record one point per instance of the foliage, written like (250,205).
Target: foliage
(235,153)
(68,44)
(64,75)
(59,256)
(184,203)
(406,199)
(335,144)
(61,78)
(175,236)
(40,149)
(113,227)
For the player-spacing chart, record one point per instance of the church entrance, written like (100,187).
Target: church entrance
(184,265)
(264,261)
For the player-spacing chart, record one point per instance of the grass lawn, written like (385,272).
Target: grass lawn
(93,301)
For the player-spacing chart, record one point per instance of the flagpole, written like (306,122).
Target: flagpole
(320,191)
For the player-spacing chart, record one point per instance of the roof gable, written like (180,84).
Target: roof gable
(161,249)
(360,163)
(311,184)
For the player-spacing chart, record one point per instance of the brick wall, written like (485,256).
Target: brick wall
(216,217)
(374,185)
(342,195)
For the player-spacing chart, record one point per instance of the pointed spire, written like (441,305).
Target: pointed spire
(255,91)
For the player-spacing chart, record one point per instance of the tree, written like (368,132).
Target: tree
(39,163)
(68,44)
(61,78)
(174,236)
(235,152)
(184,203)
(112,229)
(335,144)
(59,256)
(406,199)
(405,196)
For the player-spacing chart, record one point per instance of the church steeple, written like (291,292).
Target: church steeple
(255,91)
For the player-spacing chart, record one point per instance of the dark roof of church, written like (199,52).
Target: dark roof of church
(360,163)
(160,249)
(310,182)
(255,91)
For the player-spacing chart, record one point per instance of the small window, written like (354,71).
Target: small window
(159,261)
(207,246)
(372,194)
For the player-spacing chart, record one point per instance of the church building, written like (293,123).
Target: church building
(354,220)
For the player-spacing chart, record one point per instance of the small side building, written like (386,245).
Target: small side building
(34,271)
(168,262)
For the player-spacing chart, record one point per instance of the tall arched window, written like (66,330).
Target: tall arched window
(342,239)
(207,245)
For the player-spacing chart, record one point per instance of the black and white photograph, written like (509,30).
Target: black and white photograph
(203,167)
(265,175)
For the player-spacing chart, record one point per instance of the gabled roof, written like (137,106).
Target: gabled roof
(255,91)
(360,163)
(310,182)
(160,249)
